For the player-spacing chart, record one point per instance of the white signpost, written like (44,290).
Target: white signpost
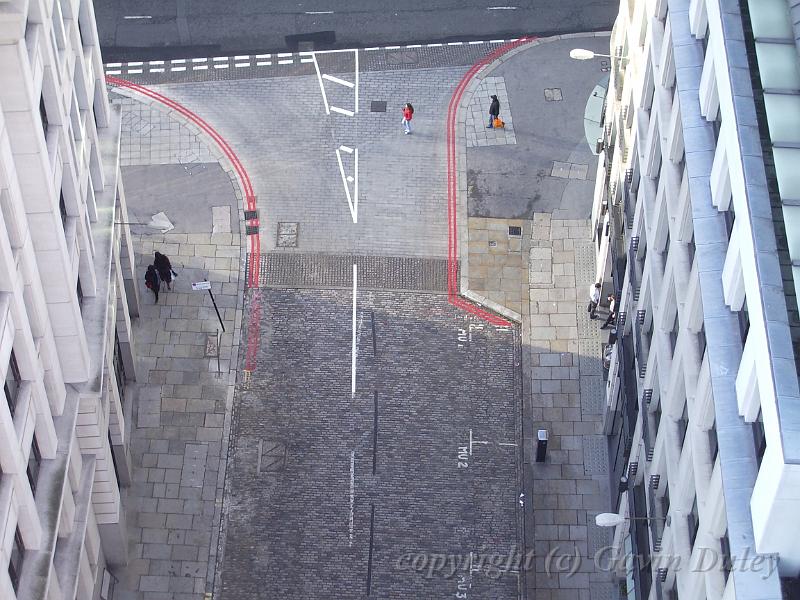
(201,285)
(206,285)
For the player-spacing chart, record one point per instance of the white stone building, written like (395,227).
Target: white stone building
(697,220)
(66,300)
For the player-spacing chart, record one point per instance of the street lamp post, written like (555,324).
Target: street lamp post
(614,519)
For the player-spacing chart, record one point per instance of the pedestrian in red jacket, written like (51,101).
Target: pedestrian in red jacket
(408,114)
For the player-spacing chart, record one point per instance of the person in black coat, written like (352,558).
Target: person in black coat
(164,268)
(152,281)
(494,111)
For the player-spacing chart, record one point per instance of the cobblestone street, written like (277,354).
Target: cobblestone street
(310,463)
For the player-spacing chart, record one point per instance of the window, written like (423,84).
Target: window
(15,561)
(664,503)
(43,115)
(62,207)
(701,341)
(656,419)
(730,219)
(694,523)
(692,250)
(13,381)
(673,334)
(744,322)
(759,438)
(713,444)
(725,551)
(34,463)
(119,366)
(683,424)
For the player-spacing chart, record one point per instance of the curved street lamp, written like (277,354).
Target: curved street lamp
(614,519)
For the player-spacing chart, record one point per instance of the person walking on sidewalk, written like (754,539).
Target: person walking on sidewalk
(612,311)
(594,300)
(494,112)
(152,281)
(164,268)
(408,114)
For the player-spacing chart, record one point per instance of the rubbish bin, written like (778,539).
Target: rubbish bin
(541,445)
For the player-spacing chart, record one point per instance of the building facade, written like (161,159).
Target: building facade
(66,301)
(697,224)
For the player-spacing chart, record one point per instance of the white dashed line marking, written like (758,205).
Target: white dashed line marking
(319,12)
(178,69)
(288,57)
(134,71)
(347,149)
(132,17)
(502,8)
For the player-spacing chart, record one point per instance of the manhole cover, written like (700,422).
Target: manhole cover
(271,457)
(377,106)
(514,230)
(287,234)
(553,95)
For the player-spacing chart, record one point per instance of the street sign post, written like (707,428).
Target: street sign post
(206,285)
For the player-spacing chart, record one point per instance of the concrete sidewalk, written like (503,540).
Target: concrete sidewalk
(525,202)
(179,427)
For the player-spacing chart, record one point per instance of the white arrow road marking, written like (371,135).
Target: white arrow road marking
(321,85)
(352,200)
(342,111)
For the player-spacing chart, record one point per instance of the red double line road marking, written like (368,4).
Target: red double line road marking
(453,295)
(250,203)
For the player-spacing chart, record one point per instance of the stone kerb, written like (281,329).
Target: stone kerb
(462,204)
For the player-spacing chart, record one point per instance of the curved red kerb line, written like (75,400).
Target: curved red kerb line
(452,189)
(241,172)
(250,203)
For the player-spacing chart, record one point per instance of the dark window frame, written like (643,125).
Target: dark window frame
(693,520)
(759,438)
(713,443)
(16,560)
(683,424)
(34,465)
(12,391)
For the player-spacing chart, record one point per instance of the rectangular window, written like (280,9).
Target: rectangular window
(664,502)
(666,249)
(692,250)
(62,207)
(34,463)
(730,219)
(694,523)
(12,384)
(683,424)
(79,292)
(759,438)
(15,561)
(713,444)
(656,419)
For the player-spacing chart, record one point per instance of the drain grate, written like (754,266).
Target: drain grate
(251,229)
(377,106)
(553,95)
(250,215)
